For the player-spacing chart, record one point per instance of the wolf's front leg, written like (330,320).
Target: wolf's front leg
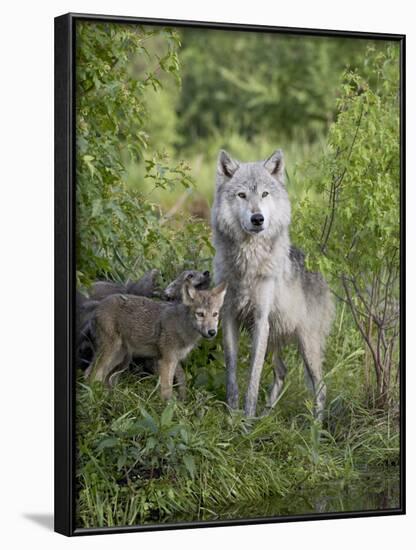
(180,380)
(258,352)
(230,341)
(263,299)
(167,367)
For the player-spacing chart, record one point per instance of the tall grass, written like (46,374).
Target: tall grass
(143,461)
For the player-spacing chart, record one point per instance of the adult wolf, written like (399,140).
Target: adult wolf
(269,291)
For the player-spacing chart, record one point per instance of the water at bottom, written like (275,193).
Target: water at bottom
(375,492)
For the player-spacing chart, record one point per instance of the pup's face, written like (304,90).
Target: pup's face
(205,306)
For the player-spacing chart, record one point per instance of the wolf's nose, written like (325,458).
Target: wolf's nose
(257,219)
(212,332)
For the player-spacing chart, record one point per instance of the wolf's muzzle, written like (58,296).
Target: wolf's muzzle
(257,219)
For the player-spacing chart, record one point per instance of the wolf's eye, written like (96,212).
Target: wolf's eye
(200,314)
(215,314)
(190,276)
(264,194)
(242,195)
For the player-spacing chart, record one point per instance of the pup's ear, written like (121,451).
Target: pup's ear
(226,166)
(219,292)
(275,164)
(188,293)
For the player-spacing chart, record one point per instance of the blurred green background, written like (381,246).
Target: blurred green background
(249,93)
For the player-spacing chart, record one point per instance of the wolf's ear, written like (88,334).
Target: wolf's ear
(226,166)
(275,164)
(188,293)
(219,292)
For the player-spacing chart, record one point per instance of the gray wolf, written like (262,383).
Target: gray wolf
(128,326)
(269,291)
(146,285)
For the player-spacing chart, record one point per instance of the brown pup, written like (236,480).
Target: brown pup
(128,326)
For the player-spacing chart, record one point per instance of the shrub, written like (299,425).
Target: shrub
(349,214)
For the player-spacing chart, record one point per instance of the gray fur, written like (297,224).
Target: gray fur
(128,326)
(85,310)
(269,291)
(101,289)
(145,286)
(199,279)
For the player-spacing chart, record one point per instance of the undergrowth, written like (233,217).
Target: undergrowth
(144,461)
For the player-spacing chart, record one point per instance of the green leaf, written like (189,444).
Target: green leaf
(148,422)
(107,443)
(167,414)
(190,465)
(121,461)
(151,443)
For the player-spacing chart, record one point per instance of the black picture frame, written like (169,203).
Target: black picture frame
(65,272)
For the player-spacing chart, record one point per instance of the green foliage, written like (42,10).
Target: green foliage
(353,227)
(348,216)
(142,461)
(278,85)
(116,227)
(149,445)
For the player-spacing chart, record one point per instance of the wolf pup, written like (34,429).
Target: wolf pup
(146,286)
(102,289)
(199,279)
(269,291)
(132,325)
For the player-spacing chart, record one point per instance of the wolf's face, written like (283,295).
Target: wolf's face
(252,196)
(205,306)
